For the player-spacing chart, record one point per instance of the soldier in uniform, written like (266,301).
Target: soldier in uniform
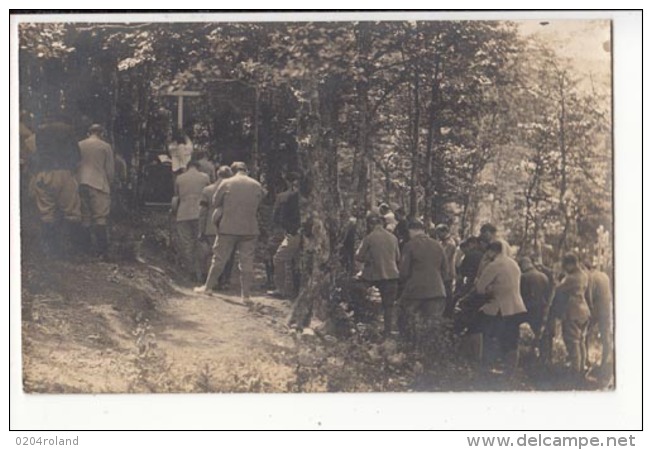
(600,299)
(188,188)
(535,290)
(287,216)
(443,235)
(239,198)
(380,255)
(570,305)
(54,186)
(423,269)
(208,216)
(95,176)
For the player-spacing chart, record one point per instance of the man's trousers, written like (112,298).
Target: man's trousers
(284,262)
(223,248)
(187,231)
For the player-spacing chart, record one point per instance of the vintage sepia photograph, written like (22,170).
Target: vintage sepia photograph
(291,206)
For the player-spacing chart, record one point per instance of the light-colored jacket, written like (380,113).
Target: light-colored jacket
(450,250)
(599,296)
(239,198)
(187,191)
(180,154)
(97,165)
(501,278)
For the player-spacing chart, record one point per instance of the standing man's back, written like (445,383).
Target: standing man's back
(287,216)
(535,291)
(505,309)
(380,255)
(205,166)
(424,267)
(188,188)
(239,198)
(56,147)
(422,270)
(95,176)
(54,186)
(601,302)
(97,162)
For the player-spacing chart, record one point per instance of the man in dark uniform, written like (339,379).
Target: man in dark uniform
(401,231)
(468,269)
(535,290)
(379,254)
(443,235)
(287,216)
(423,269)
(54,186)
(488,234)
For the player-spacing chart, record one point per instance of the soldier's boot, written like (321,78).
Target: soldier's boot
(49,241)
(102,240)
(269,275)
(389,321)
(85,241)
(511,361)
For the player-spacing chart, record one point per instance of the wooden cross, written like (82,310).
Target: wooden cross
(180,95)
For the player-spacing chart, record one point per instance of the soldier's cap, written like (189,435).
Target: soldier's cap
(416,224)
(488,228)
(373,217)
(442,227)
(525,263)
(570,259)
(495,246)
(96,128)
(238,166)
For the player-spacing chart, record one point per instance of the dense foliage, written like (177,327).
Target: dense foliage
(458,121)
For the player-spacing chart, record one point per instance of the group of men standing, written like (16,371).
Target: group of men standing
(217,208)
(428,284)
(71,183)
(224,213)
(479,290)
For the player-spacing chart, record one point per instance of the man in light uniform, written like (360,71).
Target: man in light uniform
(95,176)
(239,198)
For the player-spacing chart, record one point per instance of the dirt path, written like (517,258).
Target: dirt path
(101,327)
(220,345)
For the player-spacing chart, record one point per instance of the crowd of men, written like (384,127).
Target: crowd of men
(481,292)
(428,284)
(70,182)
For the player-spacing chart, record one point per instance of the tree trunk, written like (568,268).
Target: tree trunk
(416,113)
(563,240)
(362,157)
(114,105)
(319,203)
(433,128)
